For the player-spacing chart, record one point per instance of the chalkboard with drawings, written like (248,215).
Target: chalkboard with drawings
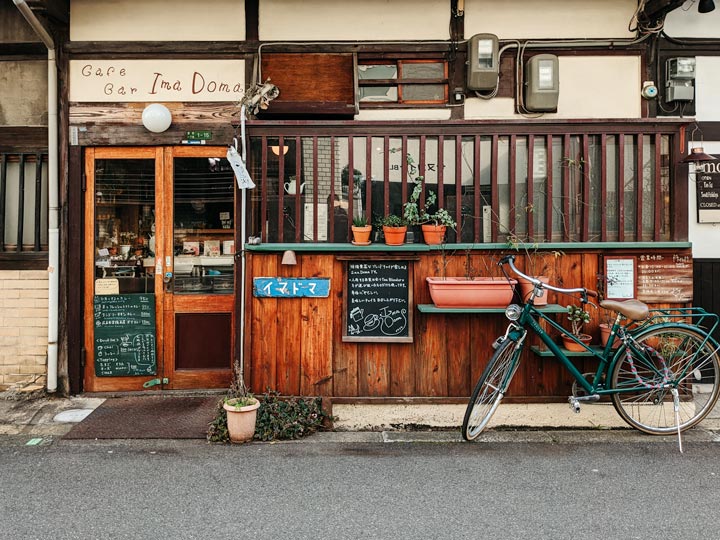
(124,343)
(378,301)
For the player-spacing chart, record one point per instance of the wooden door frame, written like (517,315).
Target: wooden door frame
(165,304)
(91,383)
(172,303)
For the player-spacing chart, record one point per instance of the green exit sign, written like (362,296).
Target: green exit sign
(201,135)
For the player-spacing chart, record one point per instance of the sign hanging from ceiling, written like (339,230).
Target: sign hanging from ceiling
(707,177)
(156,80)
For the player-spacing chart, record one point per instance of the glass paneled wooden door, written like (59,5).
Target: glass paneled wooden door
(159,269)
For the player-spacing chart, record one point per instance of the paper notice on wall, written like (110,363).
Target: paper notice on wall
(243,177)
(107,286)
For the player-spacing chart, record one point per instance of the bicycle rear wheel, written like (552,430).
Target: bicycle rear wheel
(490,389)
(685,360)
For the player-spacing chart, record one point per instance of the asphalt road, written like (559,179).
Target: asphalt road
(498,490)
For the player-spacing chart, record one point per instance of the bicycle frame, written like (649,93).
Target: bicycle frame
(607,357)
(528,320)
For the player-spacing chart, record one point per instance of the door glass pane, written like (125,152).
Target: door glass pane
(125,223)
(203,217)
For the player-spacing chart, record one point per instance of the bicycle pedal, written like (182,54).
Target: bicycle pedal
(574,405)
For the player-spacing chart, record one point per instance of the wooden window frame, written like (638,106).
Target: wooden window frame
(400,82)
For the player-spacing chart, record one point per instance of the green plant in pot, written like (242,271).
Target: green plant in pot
(361,231)
(394,229)
(434,225)
(578,317)
(240,408)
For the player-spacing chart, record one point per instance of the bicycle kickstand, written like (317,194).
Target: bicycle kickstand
(676,408)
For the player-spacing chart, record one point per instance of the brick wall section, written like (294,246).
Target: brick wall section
(23,328)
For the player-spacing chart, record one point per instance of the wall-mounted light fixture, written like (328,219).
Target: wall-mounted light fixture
(289,258)
(276,149)
(679,79)
(156,118)
(697,154)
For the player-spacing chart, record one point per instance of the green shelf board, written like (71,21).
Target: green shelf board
(432,308)
(545,352)
(418,246)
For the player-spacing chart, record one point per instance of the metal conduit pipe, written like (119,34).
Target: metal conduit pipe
(53,190)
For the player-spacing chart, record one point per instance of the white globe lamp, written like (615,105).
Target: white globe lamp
(156,118)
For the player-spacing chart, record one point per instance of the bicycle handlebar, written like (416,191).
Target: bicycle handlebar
(510,260)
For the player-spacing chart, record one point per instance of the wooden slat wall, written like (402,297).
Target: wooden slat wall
(296,344)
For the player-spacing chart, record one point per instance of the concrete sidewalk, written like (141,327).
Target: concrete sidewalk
(47,417)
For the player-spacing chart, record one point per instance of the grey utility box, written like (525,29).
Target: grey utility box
(542,83)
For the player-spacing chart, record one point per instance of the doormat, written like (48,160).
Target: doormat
(148,417)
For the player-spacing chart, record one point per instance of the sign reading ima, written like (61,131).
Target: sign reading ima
(707,178)
(156,80)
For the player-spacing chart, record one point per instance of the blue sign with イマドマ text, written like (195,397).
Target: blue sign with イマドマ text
(277,287)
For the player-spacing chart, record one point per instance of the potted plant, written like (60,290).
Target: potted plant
(433,225)
(361,231)
(241,408)
(577,317)
(607,320)
(394,229)
(471,291)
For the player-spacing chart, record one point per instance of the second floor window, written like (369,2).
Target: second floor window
(405,82)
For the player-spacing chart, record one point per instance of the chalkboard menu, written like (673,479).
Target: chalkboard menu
(665,277)
(378,301)
(125,335)
(707,186)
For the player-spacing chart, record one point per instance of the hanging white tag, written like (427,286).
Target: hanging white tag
(243,177)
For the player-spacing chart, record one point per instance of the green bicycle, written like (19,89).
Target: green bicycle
(660,368)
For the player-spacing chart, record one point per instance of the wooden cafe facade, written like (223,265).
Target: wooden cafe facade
(173,272)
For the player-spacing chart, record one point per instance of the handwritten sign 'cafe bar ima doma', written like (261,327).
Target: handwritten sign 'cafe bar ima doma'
(156,80)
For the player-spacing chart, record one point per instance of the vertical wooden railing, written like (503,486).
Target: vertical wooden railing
(489,167)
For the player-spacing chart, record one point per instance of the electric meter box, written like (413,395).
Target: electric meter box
(542,83)
(483,62)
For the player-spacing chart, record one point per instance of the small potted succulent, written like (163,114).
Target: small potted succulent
(577,317)
(361,231)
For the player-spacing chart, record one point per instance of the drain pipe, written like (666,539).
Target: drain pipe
(53,190)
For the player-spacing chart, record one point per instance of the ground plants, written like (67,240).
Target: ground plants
(278,418)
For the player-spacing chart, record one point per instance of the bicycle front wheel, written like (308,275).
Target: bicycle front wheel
(490,389)
(683,359)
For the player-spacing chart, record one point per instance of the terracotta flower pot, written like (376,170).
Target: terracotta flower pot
(457,292)
(433,234)
(526,288)
(605,335)
(361,235)
(394,236)
(241,421)
(572,346)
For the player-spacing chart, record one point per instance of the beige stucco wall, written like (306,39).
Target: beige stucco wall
(590,87)
(524,19)
(23,93)
(157,20)
(23,328)
(313,20)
